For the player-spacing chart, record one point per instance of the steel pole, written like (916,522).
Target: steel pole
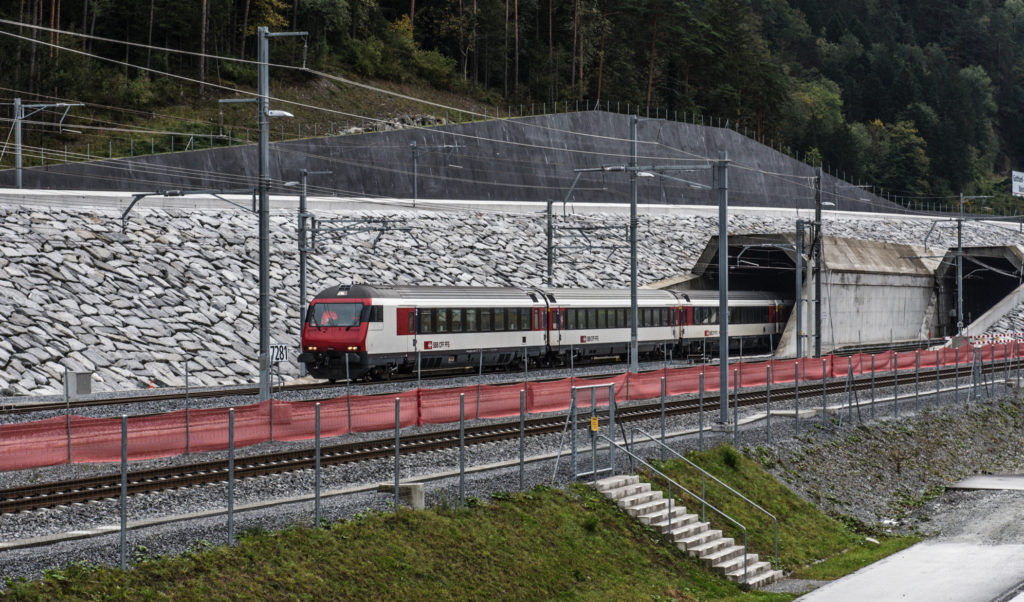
(18,116)
(722,183)
(817,265)
(634,365)
(960,270)
(551,237)
(302,262)
(124,492)
(799,287)
(415,185)
(264,210)
(316,485)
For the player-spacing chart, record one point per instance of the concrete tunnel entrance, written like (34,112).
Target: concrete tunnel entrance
(990,276)
(872,293)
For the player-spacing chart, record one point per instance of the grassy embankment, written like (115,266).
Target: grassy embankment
(536,545)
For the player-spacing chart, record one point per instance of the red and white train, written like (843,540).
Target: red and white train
(378,330)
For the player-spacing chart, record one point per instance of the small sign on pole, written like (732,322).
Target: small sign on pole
(278,353)
(1017,183)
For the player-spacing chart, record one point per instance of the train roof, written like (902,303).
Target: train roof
(367,291)
(558,295)
(555,295)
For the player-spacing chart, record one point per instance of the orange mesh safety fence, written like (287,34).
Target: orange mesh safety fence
(45,442)
(33,444)
(646,385)
(550,396)
(377,412)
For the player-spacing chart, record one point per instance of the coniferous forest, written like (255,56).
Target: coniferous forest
(924,99)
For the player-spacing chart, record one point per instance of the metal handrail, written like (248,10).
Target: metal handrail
(643,462)
(703,472)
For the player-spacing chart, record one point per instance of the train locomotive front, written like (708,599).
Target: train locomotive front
(334,334)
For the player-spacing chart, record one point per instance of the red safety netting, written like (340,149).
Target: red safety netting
(45,442)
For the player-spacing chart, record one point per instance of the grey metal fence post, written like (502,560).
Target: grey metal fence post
(1017,349)
(768,397)
(700,413)
(735,405)
(593,433)
(917,380)
(611,428)
(663,417)
(316,484)
(895,383)
(187,425)
(522,437)
(398,426)
(872,386)
(124,492)
(526,368)
(479,384)
(348,394)
(572,422)
(956,376)
(67,410)
(938,386)
(231,477)
(796,397)
(462,449)
(824,393)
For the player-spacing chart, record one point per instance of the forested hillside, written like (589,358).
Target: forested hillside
(923,99)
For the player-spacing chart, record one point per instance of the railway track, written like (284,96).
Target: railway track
(48,495)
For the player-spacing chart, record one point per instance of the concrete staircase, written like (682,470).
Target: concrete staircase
(686,531)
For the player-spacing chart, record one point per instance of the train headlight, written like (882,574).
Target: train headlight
(353,348)
(311,348)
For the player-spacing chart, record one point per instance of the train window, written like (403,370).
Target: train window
(602,318)
(334,314)
(441,320)
(524,318)
(427,321)
(573,318)
(499,319)
(456,319)
(412,322)
(591,318)
(376,313)
(486,324)
(471,320)
(511,319)
(620,319)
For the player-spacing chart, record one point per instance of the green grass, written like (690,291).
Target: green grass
(810,543)
(860,555)
(543,544)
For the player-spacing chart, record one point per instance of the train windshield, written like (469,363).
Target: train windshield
(334,314)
